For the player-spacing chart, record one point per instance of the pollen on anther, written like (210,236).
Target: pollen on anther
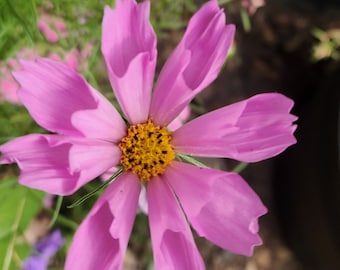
(146,150)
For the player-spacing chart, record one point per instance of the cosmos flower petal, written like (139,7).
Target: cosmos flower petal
(180,119)
(194,64)
(172,241)
(251,130)
(101,240)
(43,163)
(58,164)
(129,49)
(143,201)
(60,100)
(91,158)
(219,205)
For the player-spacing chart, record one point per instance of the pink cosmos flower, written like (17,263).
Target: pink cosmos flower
(91,137)
(52,27)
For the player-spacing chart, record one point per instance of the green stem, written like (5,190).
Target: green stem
(240,167)
(56,211)
(64,221)
(245,20)
(34,8)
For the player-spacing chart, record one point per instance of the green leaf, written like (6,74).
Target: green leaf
(22,22)
(18,206)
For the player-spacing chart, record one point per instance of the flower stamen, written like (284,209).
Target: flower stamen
(146,150)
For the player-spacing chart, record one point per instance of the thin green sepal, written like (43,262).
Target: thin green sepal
(191,160)
(89,195)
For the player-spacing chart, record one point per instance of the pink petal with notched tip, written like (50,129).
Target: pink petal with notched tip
(129,49)
(251,130)
(172,242)
(60,100)
(220,206)
(194,64)
(43,161)
(101,240)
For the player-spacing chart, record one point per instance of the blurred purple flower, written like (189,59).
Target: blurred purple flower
(44,250)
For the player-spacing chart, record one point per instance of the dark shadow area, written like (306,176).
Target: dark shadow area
(301,187)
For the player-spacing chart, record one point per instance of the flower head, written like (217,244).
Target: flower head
(91,137)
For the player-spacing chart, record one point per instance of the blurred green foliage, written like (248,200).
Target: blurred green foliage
(18,206)
(16,23)
(328,44)
(15,121)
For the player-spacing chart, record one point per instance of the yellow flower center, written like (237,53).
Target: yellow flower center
(146,150)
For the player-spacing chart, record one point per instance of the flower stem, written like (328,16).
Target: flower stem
(240,167)
(64,221)
(56,211)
